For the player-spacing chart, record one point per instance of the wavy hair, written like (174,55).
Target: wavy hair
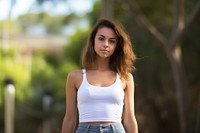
(121,61)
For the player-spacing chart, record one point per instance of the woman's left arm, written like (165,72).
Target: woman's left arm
(129,119)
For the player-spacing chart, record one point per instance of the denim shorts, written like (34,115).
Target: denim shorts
(100,128)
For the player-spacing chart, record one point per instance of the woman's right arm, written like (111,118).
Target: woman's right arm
(69,122)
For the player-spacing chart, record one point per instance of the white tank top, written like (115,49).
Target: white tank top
(100,103)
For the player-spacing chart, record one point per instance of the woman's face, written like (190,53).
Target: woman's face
(105,42)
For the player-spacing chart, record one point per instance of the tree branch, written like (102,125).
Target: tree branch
(179,10)
(140,18)
(179,18)
(191,18)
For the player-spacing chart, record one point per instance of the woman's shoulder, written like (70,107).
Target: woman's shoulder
(75,77)
(75,74)
(128,80)
(129,77)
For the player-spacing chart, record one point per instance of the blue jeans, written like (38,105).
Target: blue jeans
(100,128)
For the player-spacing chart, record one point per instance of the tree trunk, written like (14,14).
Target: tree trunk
(175,61)
(107,8)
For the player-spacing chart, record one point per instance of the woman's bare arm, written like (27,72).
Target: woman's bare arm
(69,122)
(129,119)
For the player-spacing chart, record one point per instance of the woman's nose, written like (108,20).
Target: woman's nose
(106,43)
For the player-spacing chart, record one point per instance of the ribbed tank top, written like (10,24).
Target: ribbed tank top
(100,103)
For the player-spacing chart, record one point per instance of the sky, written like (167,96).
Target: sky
(23,6)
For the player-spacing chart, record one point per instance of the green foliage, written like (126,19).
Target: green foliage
(95,13)
(52,24)
(10,27)
(51,75)
(16,69)
(46,74)
(74,49)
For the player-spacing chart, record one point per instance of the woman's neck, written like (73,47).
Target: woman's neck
(102,64)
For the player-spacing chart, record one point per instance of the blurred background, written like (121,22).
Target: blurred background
(41,41)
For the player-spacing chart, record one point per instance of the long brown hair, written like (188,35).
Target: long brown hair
(121,61)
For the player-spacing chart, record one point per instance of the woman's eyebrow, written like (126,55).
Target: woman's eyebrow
(109,38)
(101,35)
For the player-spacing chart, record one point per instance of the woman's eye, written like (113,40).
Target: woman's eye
(101,38)
(112,41)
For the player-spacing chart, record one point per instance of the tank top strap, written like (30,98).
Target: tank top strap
(117,76)
(118,80)
(84,73)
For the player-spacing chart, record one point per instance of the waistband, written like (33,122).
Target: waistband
(95,126)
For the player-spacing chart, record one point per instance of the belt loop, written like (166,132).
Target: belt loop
(88,126)
(113,128)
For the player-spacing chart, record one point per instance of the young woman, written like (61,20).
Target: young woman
(103,91)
